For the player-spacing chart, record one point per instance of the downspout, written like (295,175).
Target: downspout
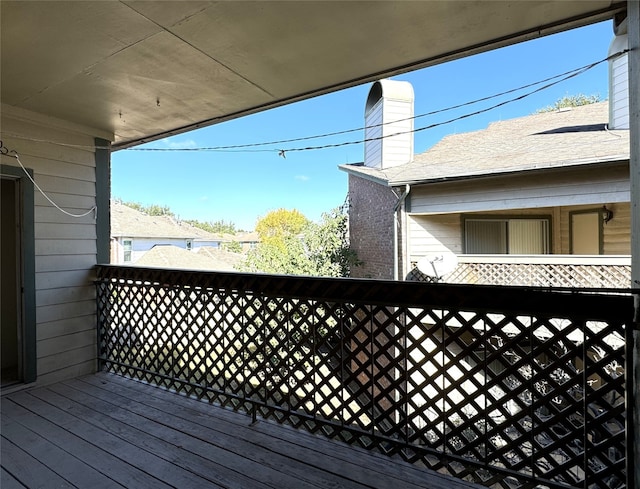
(401,200)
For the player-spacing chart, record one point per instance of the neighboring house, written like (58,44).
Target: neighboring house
(134,233)
(550,183)
(247,240)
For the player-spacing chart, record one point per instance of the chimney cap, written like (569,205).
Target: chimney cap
(388,89)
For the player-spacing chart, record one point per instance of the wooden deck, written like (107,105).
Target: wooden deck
(106,431)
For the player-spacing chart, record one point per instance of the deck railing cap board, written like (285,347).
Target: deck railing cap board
(539,301)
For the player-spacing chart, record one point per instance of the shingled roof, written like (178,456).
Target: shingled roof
(129,222)
(568,137)
(169,256)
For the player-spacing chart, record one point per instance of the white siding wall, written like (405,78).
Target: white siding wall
(559,188)
(398,149)
(373,149)
(392,150)
(203,243)
(139,246)
(65,247)
(619,85)
(616,233)
(433,234)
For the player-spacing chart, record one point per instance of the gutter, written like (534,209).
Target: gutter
(399,203)
(571,165)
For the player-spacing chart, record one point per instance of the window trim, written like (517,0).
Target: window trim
(506,217)
(591,210)
(124,250)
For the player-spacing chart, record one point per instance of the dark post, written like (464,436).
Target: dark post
(633,337)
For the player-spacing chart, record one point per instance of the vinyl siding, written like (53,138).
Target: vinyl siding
(619,92)
(65,247)
(616,233)
(373,149)
(433,234)
(392,150)
(562,188)
(398,149)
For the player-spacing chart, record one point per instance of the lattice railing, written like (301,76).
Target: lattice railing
(502,386)
(538,271)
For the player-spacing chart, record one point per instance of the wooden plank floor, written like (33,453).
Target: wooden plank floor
(104,431)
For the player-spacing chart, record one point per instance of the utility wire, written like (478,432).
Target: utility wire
(563,77)
(244,148)
(571,74)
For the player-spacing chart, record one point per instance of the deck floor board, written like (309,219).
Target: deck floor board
(105,431)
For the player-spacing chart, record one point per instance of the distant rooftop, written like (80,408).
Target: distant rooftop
(206,258)
(129,222)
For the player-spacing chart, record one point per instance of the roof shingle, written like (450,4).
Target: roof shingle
(568,137)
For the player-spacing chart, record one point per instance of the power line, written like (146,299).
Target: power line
(572,74)
(282,152)
(246,148)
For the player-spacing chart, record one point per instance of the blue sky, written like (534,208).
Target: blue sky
(242,186)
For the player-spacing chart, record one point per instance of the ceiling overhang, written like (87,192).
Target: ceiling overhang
(144,70)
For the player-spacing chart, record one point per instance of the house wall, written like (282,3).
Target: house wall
(65,247)
(139,246)
(433,234)
(577,186)
(616,233)
(203,243)
(371,227)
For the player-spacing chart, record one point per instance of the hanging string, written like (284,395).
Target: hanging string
(14,154)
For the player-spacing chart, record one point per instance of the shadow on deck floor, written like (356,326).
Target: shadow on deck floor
(105,431)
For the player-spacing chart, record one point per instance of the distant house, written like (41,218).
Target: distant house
(247,240)
(547,189)
(134,233)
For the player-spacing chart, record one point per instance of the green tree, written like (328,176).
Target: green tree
(233,246)
(152,209)
(217,227)
(292,245)
(327,245)
(570,101)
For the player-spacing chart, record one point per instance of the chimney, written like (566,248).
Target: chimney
(619,79)
(388,117)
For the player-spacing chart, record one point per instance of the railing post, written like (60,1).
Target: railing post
(633,337)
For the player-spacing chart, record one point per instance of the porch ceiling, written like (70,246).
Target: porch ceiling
(142,70)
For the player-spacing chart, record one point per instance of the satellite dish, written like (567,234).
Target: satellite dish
(438,265)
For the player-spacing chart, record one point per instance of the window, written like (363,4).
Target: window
(127,246)
(500,235)
(189,244)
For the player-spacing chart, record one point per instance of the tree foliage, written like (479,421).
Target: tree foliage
(570,101)
(290,244)
(280,224)
(216,227)
(233,246)
(152,209)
